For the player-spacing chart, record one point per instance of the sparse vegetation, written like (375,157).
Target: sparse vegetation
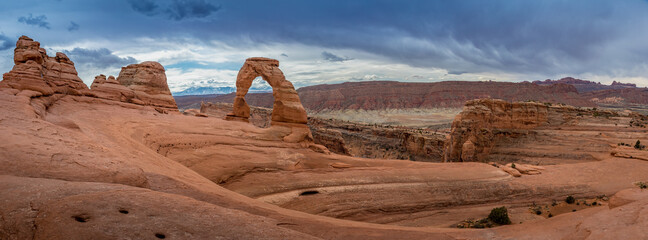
(642,185)
(570,199)
(499,215)
(512,165)
(638,145)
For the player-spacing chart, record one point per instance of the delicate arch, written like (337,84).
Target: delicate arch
(287,107)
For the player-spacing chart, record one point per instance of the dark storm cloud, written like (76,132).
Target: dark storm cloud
(6,42)
(181,9)
(175,9)
(73,27)
(334,58)
(146,7)
(98,58)
(535,37)
(538,38)
(39,21)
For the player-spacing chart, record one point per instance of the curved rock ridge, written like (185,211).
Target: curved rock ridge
(35,70)
(287,109)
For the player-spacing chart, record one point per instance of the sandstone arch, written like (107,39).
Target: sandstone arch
(287,108)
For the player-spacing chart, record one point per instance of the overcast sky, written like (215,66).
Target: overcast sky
(205,42)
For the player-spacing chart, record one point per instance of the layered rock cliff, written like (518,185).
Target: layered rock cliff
(484,123)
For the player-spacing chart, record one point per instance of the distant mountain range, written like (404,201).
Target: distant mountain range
(215,90)
(205,91)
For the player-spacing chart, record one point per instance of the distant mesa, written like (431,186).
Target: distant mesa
(584,86)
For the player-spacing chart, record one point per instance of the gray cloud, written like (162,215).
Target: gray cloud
(73,27)
(98,58)
(334,58)
(39,21)
(6,42)
(181,9)
(284,55)
(146,7)
(175,9)
(529,39)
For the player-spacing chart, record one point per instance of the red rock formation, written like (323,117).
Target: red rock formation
(35,70)
(149,84)
(142,84)
(484,122)
(287,109)
(472,134)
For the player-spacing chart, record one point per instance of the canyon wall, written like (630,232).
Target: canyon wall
(354,139)
(528,130)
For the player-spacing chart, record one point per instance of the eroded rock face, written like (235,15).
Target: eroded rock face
(472,134)
(35,70)
(149,84)
(287,109)
(142,84)
(485,122)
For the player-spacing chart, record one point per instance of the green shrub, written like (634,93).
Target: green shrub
(499,215)
(570,199)
(642,185)
(638,145)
